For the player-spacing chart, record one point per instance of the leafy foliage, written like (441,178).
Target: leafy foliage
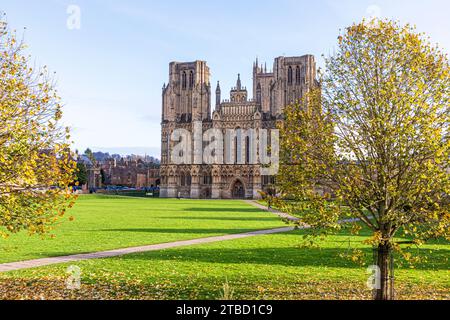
(373,142)
(35,161)
(82,174)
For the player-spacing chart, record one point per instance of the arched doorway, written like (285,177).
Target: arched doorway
(205,194)
(238,190)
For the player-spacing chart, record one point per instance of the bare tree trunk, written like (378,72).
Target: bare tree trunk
(385,290)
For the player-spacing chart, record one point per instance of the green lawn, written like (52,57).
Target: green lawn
(106,222)
(263,267)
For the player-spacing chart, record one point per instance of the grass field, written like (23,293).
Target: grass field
(264,267)
(104,223)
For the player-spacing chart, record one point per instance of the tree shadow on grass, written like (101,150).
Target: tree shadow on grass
(275,256)
(222,218)
(223,209)
(187,231)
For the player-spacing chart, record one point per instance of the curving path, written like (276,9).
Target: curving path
(278,213)
(13,266)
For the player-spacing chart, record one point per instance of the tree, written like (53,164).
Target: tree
(90,155)
(269,196)
(36,166)
(103,176)
(373,142)
(82,174)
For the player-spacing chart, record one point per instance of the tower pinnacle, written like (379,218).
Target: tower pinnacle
(218,87)
(218,95)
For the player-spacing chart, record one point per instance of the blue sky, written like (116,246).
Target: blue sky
(111,71)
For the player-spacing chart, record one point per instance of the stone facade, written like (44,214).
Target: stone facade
(120,172)
(130,173)
(187,98)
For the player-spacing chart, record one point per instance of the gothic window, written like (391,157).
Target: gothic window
(258,93)
(290,76)
(247,150)
(184,80)
(182,180)
(207,179)
(168,146)
(297,75)
(188,180)
(191,80)
(271,100)
(236,160)
(303,80)
(268,180)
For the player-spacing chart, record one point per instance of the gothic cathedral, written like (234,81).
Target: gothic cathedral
(186,99)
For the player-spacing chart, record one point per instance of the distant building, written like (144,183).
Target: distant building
(94,177)
(136,173)
(130,173)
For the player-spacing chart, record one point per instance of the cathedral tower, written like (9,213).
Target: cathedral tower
(187,97)
(293,76)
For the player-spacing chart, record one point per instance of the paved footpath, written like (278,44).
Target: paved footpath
(120,252)
(278,213)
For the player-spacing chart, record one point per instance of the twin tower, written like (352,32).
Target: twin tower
(187,99)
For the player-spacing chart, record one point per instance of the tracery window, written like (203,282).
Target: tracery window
(183,80)
(290,76)
(297,75)
(191,80)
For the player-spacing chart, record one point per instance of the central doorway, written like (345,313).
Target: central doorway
(238,191)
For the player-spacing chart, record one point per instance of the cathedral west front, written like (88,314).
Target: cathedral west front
(186,101)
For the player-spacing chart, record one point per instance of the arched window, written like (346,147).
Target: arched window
(297,75)
(258,93)
(247,150)
(191,80)
(182,180)
(184,80)
(303,74)
(188,180)
(236,150)
(207,179)
(290,75)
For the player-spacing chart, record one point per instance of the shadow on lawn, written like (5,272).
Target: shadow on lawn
(186,231)
(281,256)
(222,209)
(220,218)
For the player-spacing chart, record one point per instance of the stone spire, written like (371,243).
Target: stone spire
(238,83)
(218,87)
(218,94)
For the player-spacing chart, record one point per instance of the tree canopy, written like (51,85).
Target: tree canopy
(372,142)
(36,166)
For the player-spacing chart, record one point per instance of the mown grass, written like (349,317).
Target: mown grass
(264,267)
(109,222)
